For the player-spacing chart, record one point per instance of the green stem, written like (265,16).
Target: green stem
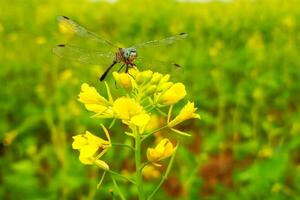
(123,145)
(145,164)
(139,178)
(161,112)
(165,176)
(117,188)
(123,177)
(149,134)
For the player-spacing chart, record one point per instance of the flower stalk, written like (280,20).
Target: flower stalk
(138,163)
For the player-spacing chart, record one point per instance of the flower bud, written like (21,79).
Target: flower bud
(150,172)
(156,78)
(164,79)
(101,164)
(164,86)
(124,80)
(163,149)
(144,77)
(150,90)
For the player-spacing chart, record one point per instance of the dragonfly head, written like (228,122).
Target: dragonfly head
(130,53)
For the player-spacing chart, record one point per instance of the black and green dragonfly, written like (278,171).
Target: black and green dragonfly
(112,53)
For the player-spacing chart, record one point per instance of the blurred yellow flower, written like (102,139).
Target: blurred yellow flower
(216,47)
(255,41)
(258,93)
(13,36)
(155,122)
(174,94)
(66,74)
(9,137)
(125,108)
(40,40)
(288,22)
(150,172)
(93,101)
(124,80)
(91,148)
(163,150)
(277,187)
(187,112)
(265,152)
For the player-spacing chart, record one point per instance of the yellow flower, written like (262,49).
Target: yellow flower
(91,148)
(163,150)
(174,94)
(40,40)
(125,108)
(124,79)
(140,121)
(93,101)
(150,172)
(187,112)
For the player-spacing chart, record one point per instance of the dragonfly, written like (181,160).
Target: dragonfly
(114,54)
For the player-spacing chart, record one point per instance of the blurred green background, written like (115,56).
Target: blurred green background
(241,67)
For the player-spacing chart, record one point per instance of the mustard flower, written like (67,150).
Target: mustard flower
(94,102)
(187,112)
(125,108)
(150,172)
(91,148)
(172,95)
(164,149)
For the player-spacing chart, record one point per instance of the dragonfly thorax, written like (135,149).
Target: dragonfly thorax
(129,53)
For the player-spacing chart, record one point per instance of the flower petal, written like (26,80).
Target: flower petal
(174,94)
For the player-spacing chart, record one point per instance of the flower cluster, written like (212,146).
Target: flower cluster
(147,94)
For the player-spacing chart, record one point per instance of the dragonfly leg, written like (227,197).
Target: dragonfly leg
(128,66)
(121,68)
(126,69)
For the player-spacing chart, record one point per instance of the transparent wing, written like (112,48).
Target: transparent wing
(79,30)
(83,55)
(164,67)
(162,42)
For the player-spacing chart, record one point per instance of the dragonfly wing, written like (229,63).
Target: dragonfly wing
(164,67)
(83,55)
(79,30)
(162,42)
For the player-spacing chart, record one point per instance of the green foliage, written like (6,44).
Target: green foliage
(241,67)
